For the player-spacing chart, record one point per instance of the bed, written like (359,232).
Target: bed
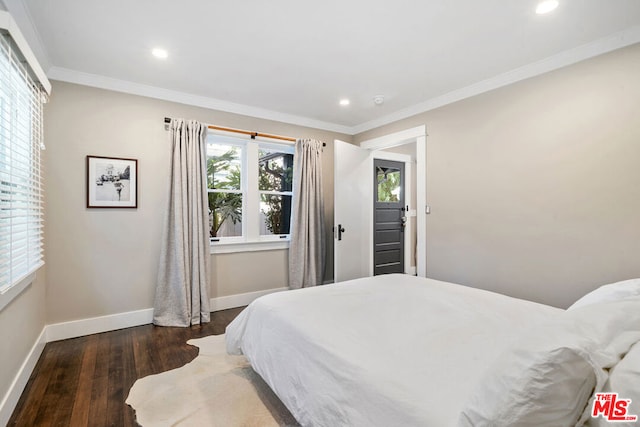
(402,350)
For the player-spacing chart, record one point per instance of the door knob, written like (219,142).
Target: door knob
(340,231)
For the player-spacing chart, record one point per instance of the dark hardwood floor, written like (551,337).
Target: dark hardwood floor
(85,381)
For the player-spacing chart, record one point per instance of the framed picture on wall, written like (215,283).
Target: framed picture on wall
(112,182)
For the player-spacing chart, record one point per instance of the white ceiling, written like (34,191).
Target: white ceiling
(292,60)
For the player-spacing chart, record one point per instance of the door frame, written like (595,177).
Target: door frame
(419,136)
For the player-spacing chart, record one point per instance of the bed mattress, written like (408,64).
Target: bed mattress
(379,351)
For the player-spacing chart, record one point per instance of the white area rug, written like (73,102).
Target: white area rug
(215,389)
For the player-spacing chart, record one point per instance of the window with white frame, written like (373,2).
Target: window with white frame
(226,165)
(250,188)
(21,203)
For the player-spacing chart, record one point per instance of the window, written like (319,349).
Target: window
(20,183)
(225,161)
(250,187)
(275,184)
(389,184)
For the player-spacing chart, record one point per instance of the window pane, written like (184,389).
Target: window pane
(225,214)
(223,166)
(388,184)
(275,214)
(276,170)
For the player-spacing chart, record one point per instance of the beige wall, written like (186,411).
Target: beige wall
(534,190)
(535,187)
(249,272)
(21,323)
(104,261)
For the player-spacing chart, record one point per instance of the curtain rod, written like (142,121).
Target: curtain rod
(253,135)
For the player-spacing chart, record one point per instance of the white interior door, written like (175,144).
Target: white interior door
(352,211)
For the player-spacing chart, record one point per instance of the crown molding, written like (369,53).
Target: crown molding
(560,60)
(102,82)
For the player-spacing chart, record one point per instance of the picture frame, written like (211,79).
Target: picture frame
(112,182)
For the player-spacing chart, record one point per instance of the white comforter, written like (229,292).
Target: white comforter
(393,350)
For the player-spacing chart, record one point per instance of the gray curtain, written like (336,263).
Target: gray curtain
(183,280)
(307,249)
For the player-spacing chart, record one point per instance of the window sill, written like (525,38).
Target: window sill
(260,245)
(11,293)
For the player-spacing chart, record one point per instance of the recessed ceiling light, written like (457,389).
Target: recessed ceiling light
(546,6)
(344,102)
(160,53)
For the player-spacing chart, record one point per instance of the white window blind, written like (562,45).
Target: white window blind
(21,205)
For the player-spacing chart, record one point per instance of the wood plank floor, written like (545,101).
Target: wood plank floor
(85,381)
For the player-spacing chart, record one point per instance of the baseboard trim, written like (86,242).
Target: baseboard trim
(239,300)
(12,396)
(96,325)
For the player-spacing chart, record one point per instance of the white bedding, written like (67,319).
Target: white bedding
(392,350)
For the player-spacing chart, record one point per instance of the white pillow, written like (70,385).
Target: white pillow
(535,389)
(624,379)
(548,377)
(612,292)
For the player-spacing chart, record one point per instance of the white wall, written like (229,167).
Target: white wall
(535,187)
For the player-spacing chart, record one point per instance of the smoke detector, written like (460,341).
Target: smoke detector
(378,99)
